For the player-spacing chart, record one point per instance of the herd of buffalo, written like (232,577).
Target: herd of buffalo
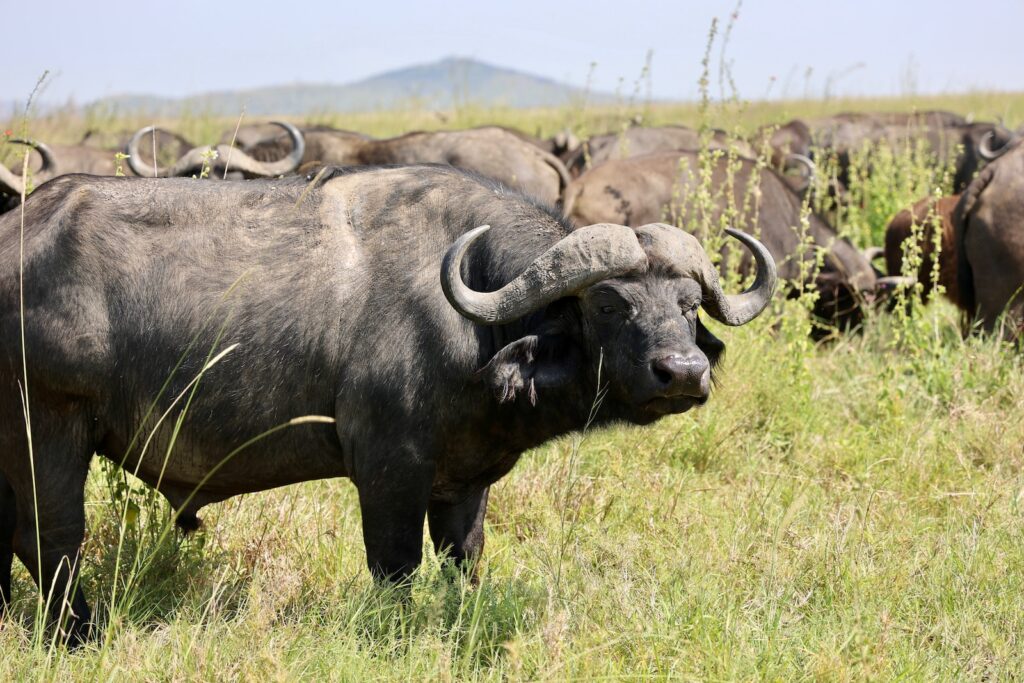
(414,313)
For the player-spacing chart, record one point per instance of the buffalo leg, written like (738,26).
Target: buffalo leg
(458,529)
(393,515)
(49,533)
(8,520)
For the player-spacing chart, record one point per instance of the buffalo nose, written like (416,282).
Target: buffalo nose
(682,375)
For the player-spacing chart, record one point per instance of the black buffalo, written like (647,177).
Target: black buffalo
(440,364)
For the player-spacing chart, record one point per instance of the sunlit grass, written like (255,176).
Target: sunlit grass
(854,511)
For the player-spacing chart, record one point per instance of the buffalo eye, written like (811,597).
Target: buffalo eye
(689,308)
(608,310)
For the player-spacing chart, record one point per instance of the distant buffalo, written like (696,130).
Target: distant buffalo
(218,161)
(949,138)
(491,151)
(641,141)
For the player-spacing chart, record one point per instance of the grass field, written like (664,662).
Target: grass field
(847,511)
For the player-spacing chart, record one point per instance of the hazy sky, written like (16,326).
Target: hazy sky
(94,49)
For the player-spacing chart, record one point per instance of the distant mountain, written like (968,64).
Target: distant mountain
(440,85)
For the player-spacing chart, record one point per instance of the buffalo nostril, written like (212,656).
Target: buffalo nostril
(666,370)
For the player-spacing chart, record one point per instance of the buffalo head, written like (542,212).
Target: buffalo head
(626,297)
(223,161)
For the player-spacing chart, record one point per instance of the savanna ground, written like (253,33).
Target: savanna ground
(842,511)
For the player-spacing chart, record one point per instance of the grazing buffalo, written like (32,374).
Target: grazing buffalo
(949,138)
(921,221)
(988,228)
(216,162)
(337,296)
(491,152)
(659,187)
(789,150)
(639,141)
(266,142)
(170,146)
(49,161)
(560,144)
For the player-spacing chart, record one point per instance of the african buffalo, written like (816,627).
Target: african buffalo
(266,142)
(491,151)
(218,162)
(989,244)
(788,147)
(170,146)
(50,161)
(639,141)
(333,296)
(920,221)
(659,187)
(949,138)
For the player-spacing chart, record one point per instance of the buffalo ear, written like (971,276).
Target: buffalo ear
(531,362)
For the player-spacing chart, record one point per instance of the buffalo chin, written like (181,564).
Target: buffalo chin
(657,408)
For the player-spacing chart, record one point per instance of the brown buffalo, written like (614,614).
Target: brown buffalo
(921,220)
(989,241)
(640,141)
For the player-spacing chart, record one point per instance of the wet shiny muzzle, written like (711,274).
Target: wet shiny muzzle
(682,376)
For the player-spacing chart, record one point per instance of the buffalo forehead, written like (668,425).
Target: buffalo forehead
(669,244)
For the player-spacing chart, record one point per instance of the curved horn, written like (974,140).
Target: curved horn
(809,168)
(578,260)
(135,162)
(241,161)
(739,309)
(894,281)
(235,159)
(49,168)
(10,183)
(563,173)
(872,253)
(190,163)
(985,150)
